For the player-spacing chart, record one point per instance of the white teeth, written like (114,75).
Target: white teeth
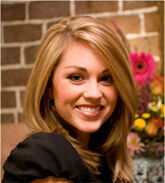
(89,109)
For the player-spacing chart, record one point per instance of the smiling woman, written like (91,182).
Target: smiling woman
(92,95)
(80,104)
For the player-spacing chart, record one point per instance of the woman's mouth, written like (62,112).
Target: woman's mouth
(89,111)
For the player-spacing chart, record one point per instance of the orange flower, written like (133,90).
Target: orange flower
(153,125)
(157,121)
(151,129)
(157,86)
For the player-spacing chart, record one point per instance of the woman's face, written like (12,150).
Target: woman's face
(83,89)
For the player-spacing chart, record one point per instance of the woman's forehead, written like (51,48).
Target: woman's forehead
(80,55)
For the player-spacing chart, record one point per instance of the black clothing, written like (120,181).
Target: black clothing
(43,155)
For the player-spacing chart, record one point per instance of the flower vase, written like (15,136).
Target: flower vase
(149,170)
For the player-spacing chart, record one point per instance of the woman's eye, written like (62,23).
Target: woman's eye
(106,79)
(76,78)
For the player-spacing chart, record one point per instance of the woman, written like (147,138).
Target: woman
(80,104)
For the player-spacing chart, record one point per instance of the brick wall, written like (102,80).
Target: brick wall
(23,23)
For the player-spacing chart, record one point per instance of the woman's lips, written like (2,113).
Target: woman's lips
(89,111)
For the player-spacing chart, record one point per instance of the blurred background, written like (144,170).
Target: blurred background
(23,23)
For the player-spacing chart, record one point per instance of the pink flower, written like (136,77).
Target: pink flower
(134,144)
(143,66)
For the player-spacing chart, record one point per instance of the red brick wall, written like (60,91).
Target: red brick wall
(24,23)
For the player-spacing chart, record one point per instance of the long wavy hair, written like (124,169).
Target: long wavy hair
(39,111)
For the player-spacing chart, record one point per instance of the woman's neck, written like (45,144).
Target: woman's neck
(84,138)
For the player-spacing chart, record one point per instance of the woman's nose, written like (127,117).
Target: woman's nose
(92,91)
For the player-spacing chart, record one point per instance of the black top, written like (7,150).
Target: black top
(47,154)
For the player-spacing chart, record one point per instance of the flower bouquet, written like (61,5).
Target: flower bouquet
(147,135)
(146,138)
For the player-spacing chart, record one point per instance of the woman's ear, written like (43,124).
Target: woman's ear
(49,90)
(50,93)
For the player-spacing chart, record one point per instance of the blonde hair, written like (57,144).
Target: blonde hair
(40,114)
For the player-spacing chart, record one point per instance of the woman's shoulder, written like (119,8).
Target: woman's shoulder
(49,146)
(42,150)
(44,145)
(52,141)
(42,155)
(45,138)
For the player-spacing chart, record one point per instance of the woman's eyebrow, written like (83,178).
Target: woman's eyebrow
(106,70)
(77,67)
(84,69)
